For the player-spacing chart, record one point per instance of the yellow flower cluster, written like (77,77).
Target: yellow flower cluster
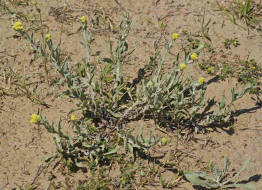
(182,66)
(18,26)
(163,141)
(149,84)
(34,118)
(235,43)
(47,37)
(73,118)
(175,36)
(201,80)
(194,56)
(83,19)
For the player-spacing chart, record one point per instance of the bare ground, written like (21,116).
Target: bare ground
(23,146)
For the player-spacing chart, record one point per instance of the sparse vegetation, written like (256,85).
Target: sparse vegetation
(246,11)
(131,116)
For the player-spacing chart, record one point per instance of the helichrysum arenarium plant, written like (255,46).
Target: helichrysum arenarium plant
(106,100)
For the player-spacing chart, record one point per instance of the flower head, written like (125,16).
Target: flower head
(34,118)
(201,80)
(163,141)
(83,19)
(47,37)
(235,43)
(194,56)
(182,66)
(149,84)
(73,118)
(209,70)
(18,26)
(175,36)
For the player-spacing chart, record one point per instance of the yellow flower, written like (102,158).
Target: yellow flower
(194,56)
(103,185)
(253,67)
(175,36)
(18,26)
(163,141)
(209,70)
(149,84)
(34,118)
(83,19)
(69,162)
(47,37)
(235,43)
(201,80)
(182,66)
(73,118)
(202,46)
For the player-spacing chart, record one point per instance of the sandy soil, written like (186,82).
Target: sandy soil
(23,146)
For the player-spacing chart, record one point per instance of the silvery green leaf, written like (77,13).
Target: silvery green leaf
(233,95)
(131,149)
(49,158)
(211,167)
(116,115)
(218,174)
(149,139)
(131,139)
(226,163)
(80,164)
(113,151)
(58,143)
(141,130)
(245,164)
(223,102)
(86,145)
(194,178)
(245,186)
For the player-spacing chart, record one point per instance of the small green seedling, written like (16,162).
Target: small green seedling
(218,180)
